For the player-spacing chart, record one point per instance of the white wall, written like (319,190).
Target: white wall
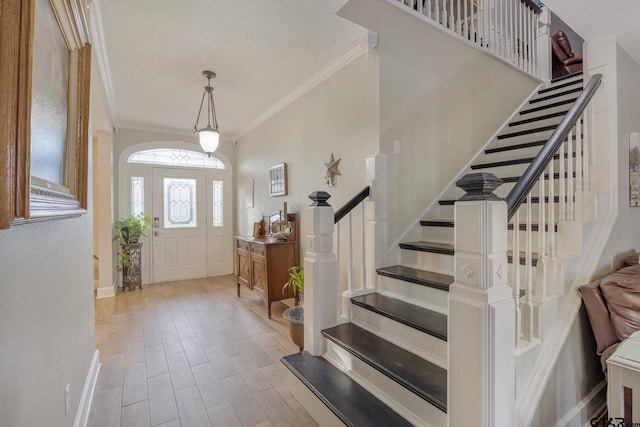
(46,320)
(625,235)
(339,116)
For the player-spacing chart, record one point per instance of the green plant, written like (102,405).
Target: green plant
(296,279)
(129,230)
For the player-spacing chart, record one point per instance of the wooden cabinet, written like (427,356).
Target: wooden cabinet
(263,265)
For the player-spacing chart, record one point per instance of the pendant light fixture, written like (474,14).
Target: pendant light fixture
(209,136)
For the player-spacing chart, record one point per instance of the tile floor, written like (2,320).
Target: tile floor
(191,353)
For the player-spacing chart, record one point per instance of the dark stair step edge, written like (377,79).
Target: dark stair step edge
(420,376)
(513,162)
(548,106)
(436,248)
(347,399)
(556,175)
(556,95)
(556,199)
(521,227)
(437,223)
(523,258)
(560,86)
(425,320)
(568,76)
(527,132)
(419,277)
(538,118)
(523,145)
(534,227)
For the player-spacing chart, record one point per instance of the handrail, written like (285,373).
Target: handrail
(351,204)
(533,6)
(528,180)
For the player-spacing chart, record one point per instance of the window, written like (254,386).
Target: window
(180,203)
(217,204)
(175,157)
(137,194)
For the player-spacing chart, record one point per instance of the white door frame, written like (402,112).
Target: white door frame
(127,170)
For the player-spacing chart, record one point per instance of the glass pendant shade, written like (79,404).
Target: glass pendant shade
(209,139)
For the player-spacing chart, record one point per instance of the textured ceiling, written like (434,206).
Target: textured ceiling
(262,51)
(594,19)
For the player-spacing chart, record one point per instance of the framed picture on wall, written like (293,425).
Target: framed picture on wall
(278,180)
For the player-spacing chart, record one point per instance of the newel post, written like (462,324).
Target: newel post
(321,290)
(481,311)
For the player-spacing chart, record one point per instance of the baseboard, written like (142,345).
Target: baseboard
(82,416)
(589,407)
(106,291)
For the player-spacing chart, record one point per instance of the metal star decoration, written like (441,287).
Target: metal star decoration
(332,171)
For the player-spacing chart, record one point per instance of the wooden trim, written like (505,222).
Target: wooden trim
(9,30)
(28,198)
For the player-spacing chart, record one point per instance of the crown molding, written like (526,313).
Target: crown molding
(364,45)
(100,52)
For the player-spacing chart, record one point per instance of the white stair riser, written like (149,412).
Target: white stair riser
(423,296)
(438,234)
(407,404)
(438,263)
(419,343)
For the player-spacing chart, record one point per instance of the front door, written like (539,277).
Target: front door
(179,234)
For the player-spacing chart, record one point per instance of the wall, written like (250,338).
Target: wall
(46,320)
(440,96)
(339,116)
(625,235)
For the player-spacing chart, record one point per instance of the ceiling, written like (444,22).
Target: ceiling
(152,54)
(265,53)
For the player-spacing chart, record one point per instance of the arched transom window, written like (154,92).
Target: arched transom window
(175,157)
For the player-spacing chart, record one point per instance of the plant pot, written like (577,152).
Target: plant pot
(295,316)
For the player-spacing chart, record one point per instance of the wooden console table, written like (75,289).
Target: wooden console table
(263,264)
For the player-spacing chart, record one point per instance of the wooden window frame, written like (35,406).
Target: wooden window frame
(26,198)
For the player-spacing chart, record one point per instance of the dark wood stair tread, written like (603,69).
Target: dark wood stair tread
(412,372)
(523,258)
(527,131)
(548,106)
(419,277)
(437,223)
(347,399)
(565,77)
(420,318)
(433,247)
(538,118)
(556,95)
(560,86)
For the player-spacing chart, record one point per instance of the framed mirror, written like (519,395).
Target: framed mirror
(46,59)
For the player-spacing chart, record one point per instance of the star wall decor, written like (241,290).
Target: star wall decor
(332,171)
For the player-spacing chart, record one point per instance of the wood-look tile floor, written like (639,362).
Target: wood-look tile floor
(191,353)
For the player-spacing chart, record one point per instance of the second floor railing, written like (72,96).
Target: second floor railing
(507,28)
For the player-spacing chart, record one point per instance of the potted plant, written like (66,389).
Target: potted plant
(129,231)
(295,314)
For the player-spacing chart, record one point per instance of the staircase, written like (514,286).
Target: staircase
(388,365)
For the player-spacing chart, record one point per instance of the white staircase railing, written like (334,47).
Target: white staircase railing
(558,179)
(507,28)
